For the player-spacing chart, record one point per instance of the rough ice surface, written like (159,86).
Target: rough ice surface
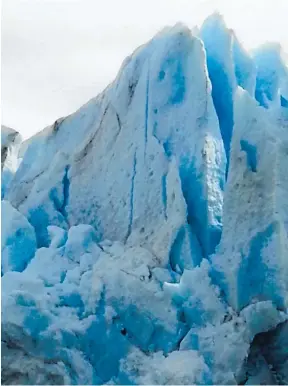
(145,235)
(251,260)
(272,75)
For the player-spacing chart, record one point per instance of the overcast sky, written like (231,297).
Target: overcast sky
(57,54)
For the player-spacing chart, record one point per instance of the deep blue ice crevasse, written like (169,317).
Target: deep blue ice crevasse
(66,187)
(222,94)
(271,74)
(132,196)
(218,45)
(176,249)
(185,252)
(244,67)
(251,153)
(39,218)
(253,273)
(60,203)
(192,189)
(178,84)
(164,194)
(283,101)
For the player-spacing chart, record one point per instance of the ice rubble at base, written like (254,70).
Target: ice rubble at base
(144,165)
(109,309)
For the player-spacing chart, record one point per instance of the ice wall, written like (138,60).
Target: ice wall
(251,258)
(159,115)
(160,213)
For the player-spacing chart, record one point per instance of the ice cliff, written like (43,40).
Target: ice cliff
(144,237)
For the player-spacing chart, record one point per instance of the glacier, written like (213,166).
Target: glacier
(145,236)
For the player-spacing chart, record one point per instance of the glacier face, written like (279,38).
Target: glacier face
(145,235)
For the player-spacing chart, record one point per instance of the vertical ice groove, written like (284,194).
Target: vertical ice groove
(131,202)
(146,111)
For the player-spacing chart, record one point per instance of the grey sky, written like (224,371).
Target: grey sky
(58,54)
